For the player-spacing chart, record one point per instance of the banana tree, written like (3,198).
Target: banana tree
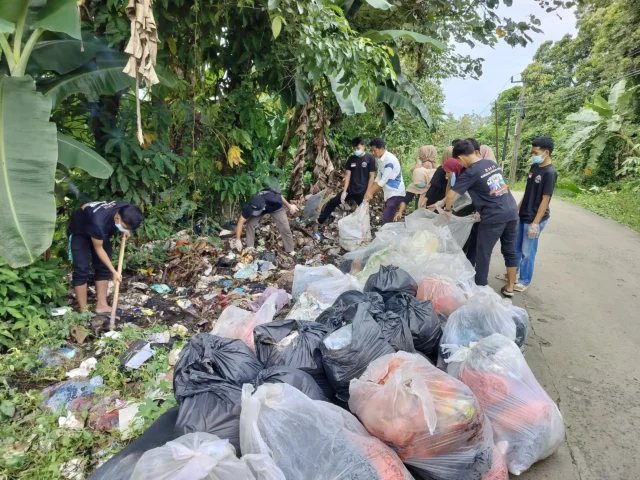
(601,121)
(30,146)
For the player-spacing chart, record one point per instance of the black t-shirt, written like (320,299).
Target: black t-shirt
(95,219)
(489,192)
(272,202)
(437,187)
(541,181)
(360,168)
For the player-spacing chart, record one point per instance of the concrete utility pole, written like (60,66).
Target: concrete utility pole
(495,107)
(513,171)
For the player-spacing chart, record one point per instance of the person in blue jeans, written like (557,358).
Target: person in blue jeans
(534,209)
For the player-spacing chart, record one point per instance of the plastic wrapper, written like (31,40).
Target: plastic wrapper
(306,308)
(304,276)
(347,351)
(389,281)
(296,344)
(327,290)
(312,207)
(311,440)
(485,314)
(423,322)
(445,296)
(121,465)
(281,299)
(527,424)
(355,230)
(237,323)
(294,377)
(342,311)
(430,419)
(208,360)
(200,456)
(461,201)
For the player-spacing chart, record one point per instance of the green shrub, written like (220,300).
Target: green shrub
(25,296)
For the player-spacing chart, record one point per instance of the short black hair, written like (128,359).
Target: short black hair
(377,142)
(474,142)
(356,142)
(453,142)
(545,143)
(131,215)
(464,147)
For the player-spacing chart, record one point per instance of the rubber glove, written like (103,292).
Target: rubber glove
(534,230)
(343,197)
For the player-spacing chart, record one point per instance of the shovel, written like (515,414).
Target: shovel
(114,308)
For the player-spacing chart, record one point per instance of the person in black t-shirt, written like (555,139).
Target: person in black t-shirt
(89,230)
(484,181)
(534,209)
(268,201)
(360,171)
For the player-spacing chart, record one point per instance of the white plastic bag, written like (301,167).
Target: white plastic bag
(355,230)
(312,440)
(237,323)
(304,276)
(430,419)
(527,424)
(328,289)
(306,308)
(202,456)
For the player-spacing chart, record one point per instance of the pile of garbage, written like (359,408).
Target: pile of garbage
(391,365)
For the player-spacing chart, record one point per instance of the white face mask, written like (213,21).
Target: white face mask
(121,228)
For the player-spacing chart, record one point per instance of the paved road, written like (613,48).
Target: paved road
(584,345)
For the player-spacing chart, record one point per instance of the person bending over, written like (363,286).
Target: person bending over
(389,179)
(484,181)
(89,232)
(268,201)
(422,173)
(360,171)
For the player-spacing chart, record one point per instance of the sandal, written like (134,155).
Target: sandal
(518,287)
(119,312)
(502,276)
(506,293)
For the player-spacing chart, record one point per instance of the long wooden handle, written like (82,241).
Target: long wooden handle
(114,307)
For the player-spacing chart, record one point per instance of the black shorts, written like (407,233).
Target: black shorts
(83,255)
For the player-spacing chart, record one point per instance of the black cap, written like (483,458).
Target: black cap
(255,207)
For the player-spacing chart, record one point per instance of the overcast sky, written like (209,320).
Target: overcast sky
(503,61)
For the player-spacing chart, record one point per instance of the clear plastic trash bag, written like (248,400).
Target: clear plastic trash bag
(445,295)
(355,230)
(202,456)
(327,290)
(527,424)
(281,299)
(237,323)
(460,227)
(312,440)
(485,314)
(304,276)
(429,418)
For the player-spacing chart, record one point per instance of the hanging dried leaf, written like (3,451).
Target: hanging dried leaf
(234,156)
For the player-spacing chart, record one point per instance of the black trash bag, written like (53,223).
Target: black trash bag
(343,310)
(521,319)
(121,465)
(396,331)
(208,360)
(294,377)
(347,352)
(389,281)
(216,412)
(293,343)
(424,323)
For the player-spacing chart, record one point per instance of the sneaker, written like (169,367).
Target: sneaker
(502,276)
(518,287)
(506,293)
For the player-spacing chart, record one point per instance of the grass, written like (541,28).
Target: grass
(623,207)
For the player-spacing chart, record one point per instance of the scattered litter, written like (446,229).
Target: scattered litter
(281,300)
(162,288)
(139,352)
(85,368)
(162,337)
(184,303)
(128,421)
(182,290)
(70,422)
(78,333)
(59,395)
(59,311)
(113,335)
(143,311)
(174,355)
(49,358)
(178,330)
(237,291)
(140,286)
(72,470)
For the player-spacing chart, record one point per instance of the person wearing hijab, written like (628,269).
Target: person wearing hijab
(438,184)
(486,153)
(422,173)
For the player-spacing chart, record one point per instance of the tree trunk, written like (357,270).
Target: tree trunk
(323,164)
(297,175)
(288,136)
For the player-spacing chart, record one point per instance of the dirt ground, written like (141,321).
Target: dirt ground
(584,342)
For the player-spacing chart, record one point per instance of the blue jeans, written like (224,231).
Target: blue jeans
(527,248)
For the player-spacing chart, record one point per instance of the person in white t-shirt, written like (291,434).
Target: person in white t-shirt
(389,179)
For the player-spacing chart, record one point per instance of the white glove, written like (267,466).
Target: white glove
(343,197)
(534,230)
(236,243)
(293,209)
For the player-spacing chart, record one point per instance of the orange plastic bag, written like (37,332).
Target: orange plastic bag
(446,297)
